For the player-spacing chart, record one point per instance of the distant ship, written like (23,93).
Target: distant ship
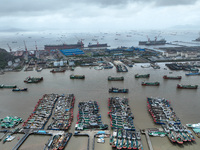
(64,46)
(153,42)
(97,45)
(198,39)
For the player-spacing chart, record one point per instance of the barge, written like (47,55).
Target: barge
(57,70)
(77,76)
(115,78)
(172,77)
(7,86)
(193,74)
(142,75)
(181,86)
(33,79)
(116,90)
(150,83)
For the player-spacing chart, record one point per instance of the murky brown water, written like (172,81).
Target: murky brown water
(186,103)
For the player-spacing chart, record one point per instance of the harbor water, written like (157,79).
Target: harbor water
(186,103)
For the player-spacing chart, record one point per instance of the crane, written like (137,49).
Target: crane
(9,47)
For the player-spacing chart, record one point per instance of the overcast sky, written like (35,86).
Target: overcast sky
(98,15)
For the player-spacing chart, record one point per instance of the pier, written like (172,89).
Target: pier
(91,137)
(147,138)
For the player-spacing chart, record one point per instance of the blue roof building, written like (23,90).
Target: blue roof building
(71,52)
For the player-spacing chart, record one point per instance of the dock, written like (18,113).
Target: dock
(147,138)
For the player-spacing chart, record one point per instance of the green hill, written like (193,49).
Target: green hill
(4,58)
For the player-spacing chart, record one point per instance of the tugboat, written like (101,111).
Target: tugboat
(115,78)
(181,86)
(116,90)
(142,76)
(18,89)
(77,76)
(172,77)
(150,83)
(57,70)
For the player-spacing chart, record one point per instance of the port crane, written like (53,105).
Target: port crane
(9,48)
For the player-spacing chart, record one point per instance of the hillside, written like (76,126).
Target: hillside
(4,58)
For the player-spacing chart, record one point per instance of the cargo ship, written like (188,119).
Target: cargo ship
(153,42)
(64,46)
(142,76)
(57,70)
(116,90)
(97,45)
(18,89)
(180,86)
(7,86)
(172,77)
(77,76)
(193,74)
(33,79)
(115,78)
(150,83)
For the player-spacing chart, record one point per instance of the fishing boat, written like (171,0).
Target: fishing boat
(172,77)
(181,86)
(193,74)
(116,90)
(7,86)
(57,70)
(77,76)
(150,83)
(142,76)
(18,89)
(115,78)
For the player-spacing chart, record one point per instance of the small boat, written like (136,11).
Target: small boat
(77,76)
(39,69)
(18,89)
(116,90)
(192,74)
(98,67)
(7,86)
(181,86)
(150,83)
(142,76)
(115,78)
(172,77)
(145,66)
(57,70)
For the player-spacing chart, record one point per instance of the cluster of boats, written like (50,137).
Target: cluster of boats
(121,68)
(33,79)
(124,134)
(125,139)
(89,117)
(58,142)
(63,113)
(42,112)
(195,128)
(162,113)
(10,121)
(116,90)
(181,66)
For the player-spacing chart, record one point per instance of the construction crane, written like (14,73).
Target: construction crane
(9,47)
(25,47)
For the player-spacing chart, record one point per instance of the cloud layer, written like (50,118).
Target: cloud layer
(101,14)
